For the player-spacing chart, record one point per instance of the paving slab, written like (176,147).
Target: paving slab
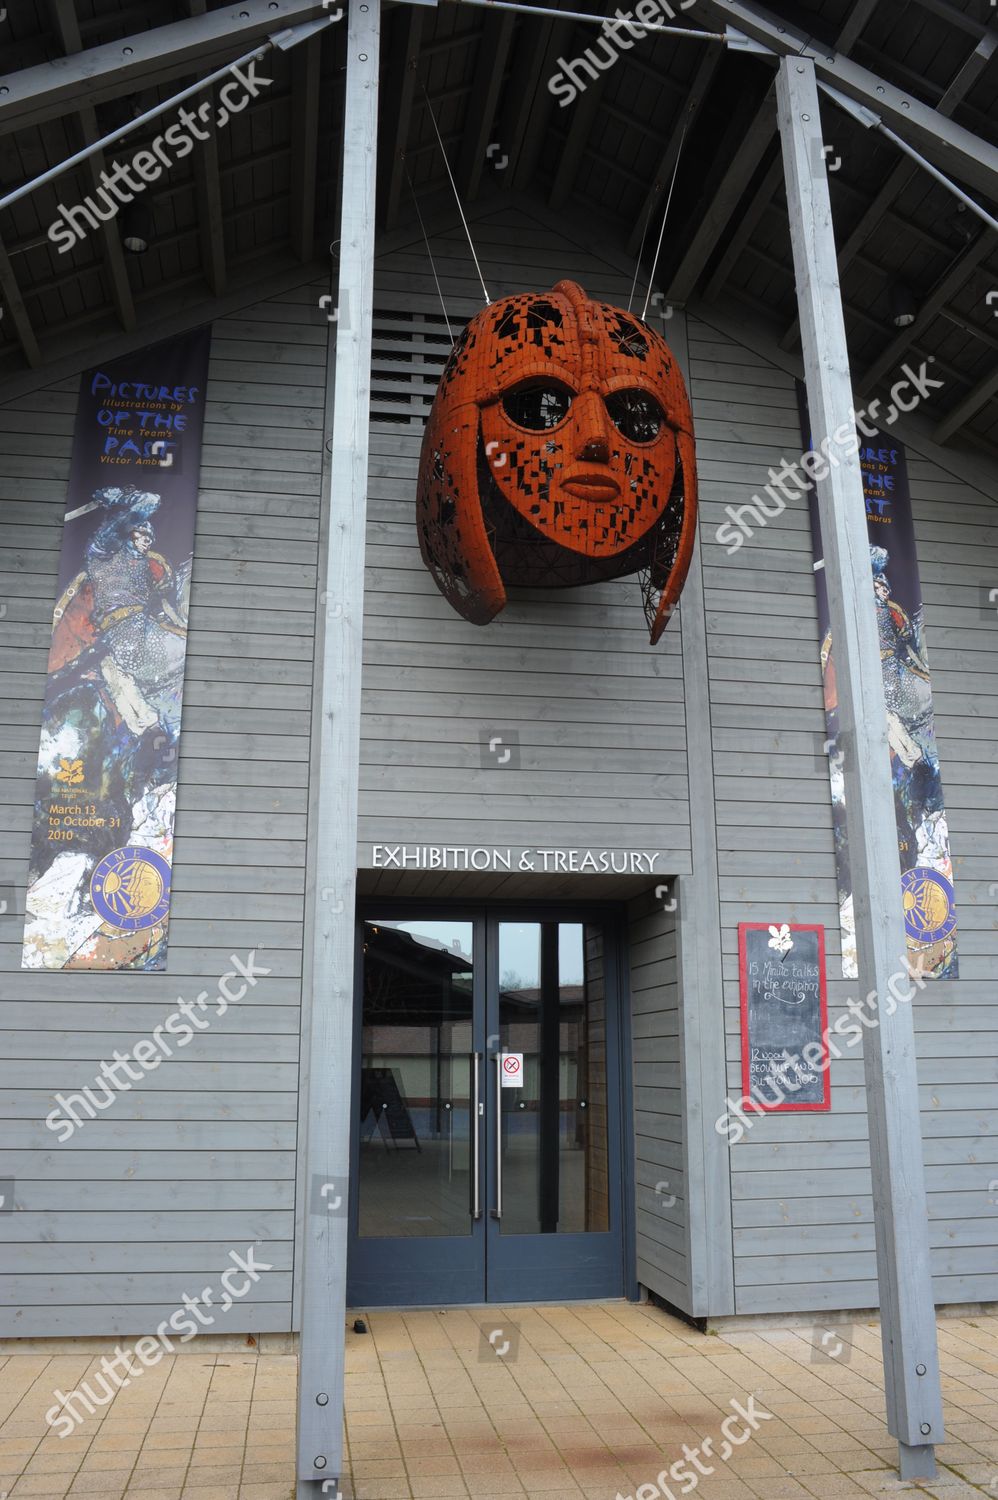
(615,1401)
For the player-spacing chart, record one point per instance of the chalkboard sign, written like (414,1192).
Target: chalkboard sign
(784,1016)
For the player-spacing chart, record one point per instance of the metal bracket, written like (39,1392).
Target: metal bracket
(866,117)
(292,35)
(737,41)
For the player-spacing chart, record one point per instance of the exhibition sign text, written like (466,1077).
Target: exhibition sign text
(542,861)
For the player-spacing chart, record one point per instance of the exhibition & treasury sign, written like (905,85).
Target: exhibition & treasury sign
(533,861)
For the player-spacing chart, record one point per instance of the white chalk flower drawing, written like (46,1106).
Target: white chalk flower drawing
(780,939)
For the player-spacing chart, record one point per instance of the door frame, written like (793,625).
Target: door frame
(479,912)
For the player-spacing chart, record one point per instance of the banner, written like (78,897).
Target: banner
(102,840)
(923,836)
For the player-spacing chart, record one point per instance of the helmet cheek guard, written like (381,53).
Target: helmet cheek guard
(559,451)
(671,585)
(452,535)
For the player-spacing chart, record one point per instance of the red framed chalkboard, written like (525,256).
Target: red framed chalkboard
(784,1011)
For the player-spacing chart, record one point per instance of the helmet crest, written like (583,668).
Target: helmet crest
(558,452)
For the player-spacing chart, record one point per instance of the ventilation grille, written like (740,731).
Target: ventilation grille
(410,350)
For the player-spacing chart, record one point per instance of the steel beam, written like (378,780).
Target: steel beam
(907,1314)
(966,156)
(328,1052)
(144,60)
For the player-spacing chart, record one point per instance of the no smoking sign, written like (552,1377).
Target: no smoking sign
(512,1070)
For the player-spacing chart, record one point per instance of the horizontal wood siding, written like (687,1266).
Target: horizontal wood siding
(144,1203)
(659,1113)
(803,1225)
(568,674)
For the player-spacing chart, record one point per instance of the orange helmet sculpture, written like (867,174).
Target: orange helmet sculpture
(559,451)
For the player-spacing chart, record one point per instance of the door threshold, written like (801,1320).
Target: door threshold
(445,1307)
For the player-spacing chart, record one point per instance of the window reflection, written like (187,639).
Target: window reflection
(415,1083)
(552,1008)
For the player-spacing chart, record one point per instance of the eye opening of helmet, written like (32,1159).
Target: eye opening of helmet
(538,405)
(636,414)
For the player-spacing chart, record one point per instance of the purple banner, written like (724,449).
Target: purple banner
(923,835)
(102,841)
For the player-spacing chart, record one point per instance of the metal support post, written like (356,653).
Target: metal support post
(328,1043)
(908,1325)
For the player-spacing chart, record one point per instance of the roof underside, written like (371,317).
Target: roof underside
(260,193)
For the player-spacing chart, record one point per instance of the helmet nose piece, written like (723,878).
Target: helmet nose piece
(594,450)
(594,446)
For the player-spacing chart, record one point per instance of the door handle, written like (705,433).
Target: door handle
(476,1149)
(497,1211)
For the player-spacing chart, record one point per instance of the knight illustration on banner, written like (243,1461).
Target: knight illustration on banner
(927,895)
(100,875)
(111,719)
(926,868)
(923,835)
(125,611)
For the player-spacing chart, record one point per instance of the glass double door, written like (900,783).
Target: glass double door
(486,1111)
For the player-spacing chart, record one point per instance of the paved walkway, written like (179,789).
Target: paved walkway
(552,1402)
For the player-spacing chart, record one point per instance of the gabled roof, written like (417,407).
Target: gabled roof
(257,200)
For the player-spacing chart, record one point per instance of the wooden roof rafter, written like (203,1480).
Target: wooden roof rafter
(951,147)
(490,68)
(403,68)
(848,36)
(529,104)
(702,81)
(905,171)
(12,304)
(306,72)
(67,31)
(874,380)
(953,278)
(209,193)
(583,114)
(747,150)
(968,406)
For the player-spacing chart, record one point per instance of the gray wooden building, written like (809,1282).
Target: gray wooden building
(487,761)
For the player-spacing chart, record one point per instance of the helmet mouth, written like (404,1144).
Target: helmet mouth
(591,486)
